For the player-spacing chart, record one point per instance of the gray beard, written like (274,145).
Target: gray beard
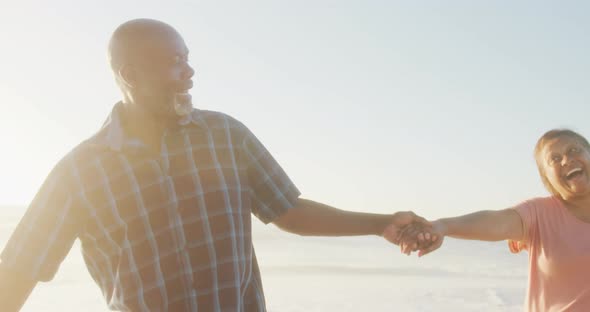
(183,104)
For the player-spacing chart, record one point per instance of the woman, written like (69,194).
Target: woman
(555,230)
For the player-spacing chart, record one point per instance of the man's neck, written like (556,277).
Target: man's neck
(142,125)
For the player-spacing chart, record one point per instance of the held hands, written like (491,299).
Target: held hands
(414,233)
(415,237)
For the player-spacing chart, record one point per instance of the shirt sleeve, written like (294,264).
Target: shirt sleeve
(47,231)
(528,211)
(272,191)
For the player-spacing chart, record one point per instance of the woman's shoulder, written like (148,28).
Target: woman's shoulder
(539,207)
(545,202)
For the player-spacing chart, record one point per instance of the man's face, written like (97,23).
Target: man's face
(163,76)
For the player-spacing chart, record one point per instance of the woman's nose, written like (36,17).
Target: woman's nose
(566,160)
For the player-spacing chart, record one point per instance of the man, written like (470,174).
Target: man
(161,197)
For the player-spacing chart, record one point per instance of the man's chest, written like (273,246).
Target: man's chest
(196,176)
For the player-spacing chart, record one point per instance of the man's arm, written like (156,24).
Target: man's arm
(42,238)
(487,225)
(15,288)
(310,218)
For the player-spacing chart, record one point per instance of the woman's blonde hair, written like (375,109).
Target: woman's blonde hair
(548,136)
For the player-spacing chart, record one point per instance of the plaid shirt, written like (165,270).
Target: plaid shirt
(168,232)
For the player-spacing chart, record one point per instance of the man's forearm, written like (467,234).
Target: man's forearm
(310,218)
(14,290)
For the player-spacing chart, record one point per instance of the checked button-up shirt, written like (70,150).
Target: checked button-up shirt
(168,232)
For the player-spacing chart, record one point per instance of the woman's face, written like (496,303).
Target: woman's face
(566,163)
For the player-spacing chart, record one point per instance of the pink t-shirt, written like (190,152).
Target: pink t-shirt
(559,256)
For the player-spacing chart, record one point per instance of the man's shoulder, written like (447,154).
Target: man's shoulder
(74,161)
(216,120)
(84,152)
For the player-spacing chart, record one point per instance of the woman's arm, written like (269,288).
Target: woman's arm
(486,225)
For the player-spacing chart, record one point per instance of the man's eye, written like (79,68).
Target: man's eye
(179,59)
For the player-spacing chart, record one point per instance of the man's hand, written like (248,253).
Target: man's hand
(424,240)
(407,220)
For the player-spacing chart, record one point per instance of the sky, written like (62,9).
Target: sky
(375,106)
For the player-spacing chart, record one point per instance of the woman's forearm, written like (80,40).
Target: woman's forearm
(486,225)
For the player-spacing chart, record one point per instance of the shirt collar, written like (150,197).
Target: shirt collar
(113,131)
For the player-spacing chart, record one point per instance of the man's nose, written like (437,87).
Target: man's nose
(189,72)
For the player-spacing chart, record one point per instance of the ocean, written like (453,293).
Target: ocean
(317,274)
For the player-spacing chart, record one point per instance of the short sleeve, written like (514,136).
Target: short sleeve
(529,214)
(272,191)
(47,231)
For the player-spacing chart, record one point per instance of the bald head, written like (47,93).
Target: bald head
(150,61)
(136,39)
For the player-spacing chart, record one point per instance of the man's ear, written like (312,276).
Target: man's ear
(128,76)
